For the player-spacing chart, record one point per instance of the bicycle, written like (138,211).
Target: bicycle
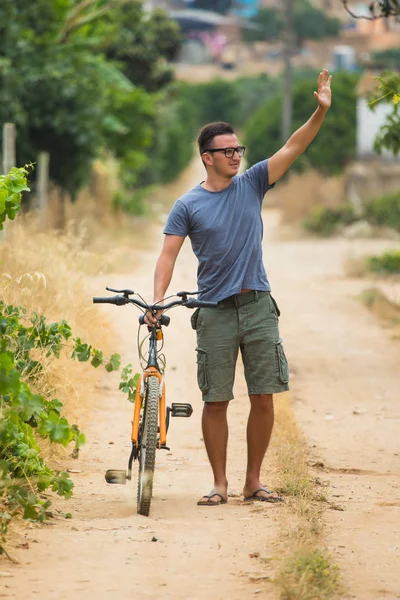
(151,416)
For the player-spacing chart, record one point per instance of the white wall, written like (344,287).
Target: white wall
(368,124)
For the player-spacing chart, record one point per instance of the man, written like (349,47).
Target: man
(222,217)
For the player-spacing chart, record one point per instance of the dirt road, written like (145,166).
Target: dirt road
(346,382)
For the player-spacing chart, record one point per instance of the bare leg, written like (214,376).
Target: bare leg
(259,429)
(215,434)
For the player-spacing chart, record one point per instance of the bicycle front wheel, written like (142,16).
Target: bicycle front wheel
(148,445)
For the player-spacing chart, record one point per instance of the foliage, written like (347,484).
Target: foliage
(27,341)
(216,100)
(66,73)
(27,344)
(172,146)
(311,23)
(308,21)
(387,263)
(335,144)
(388,92)
(144,44)
(384,210)
(324,221)
(222,100)
(11,186)
(309,574)
(386,59)
(270,24)
(378,8)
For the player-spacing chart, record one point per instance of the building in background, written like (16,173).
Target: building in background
(246,8)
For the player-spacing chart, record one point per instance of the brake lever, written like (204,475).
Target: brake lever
(125,292)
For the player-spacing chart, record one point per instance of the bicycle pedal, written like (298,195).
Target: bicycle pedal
(116,476)
(181,409)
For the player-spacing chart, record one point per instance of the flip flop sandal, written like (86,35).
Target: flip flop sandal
(209,501)
(255,496)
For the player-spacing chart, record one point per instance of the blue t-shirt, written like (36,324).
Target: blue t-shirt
(225,229)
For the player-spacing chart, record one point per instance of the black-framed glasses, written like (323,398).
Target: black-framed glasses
(229,152)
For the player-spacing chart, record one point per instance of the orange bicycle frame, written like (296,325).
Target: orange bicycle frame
(149,372)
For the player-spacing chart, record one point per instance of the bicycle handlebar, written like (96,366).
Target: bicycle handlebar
(164,320)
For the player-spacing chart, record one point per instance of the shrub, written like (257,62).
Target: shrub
(325,221)
(386,264)
(384,210)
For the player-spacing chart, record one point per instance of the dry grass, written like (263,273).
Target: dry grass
(47,273)
(305,570)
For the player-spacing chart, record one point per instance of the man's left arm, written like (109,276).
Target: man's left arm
(279,163)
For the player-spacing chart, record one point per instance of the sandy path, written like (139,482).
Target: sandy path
(346,383)
(181,551)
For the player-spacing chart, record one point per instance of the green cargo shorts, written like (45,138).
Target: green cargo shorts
(247,321)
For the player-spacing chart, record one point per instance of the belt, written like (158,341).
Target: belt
(238,300)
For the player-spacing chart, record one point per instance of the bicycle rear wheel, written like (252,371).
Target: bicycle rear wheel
(148,445)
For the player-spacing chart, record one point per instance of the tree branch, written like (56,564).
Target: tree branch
(379,9)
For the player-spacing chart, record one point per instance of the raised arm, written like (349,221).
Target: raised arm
(279,163)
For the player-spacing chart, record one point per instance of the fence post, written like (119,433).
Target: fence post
(8,155)
(42,187)
(9,159)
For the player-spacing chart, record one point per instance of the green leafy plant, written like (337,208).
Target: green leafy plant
(387,263)
(27,343)
(11,186)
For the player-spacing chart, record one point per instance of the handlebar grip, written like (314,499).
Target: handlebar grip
(206,304)
(164,320)
(117,300)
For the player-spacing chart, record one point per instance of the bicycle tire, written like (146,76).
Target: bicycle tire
(148,446)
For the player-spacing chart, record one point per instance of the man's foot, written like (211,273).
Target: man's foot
(213,499)
(263,495)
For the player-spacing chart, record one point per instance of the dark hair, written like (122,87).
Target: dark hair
(210,131)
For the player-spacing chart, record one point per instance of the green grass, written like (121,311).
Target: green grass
(309,575)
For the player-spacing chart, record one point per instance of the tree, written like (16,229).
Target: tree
(309,23)
(144,44)
(66,95)
(269,26)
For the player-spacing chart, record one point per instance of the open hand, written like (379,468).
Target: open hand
(324,94)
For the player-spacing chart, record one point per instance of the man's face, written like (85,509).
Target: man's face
(226,166)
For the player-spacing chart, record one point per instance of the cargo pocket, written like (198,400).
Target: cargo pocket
(282,363)
(194,317)
(202,369)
